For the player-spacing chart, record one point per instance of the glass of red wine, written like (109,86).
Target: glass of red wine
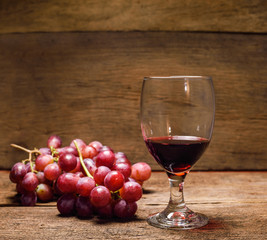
(177,118)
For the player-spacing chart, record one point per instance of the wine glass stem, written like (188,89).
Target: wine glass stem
(176,202)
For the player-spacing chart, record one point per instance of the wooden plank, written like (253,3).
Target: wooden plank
(87,85)
(121,15)
(233,214)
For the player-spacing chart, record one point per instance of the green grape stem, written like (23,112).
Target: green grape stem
(31,164)
(20,147)
(53,151)
(30,154)
(81,161)
(116,195)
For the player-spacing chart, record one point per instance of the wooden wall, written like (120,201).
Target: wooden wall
(75,68)
(131,15)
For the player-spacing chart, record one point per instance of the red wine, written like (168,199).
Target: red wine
(177,153)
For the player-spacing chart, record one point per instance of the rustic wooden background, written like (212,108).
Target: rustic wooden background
(75,68)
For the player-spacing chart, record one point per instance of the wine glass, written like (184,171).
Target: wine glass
(177,117)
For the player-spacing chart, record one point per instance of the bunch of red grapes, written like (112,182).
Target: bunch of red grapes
(84,179)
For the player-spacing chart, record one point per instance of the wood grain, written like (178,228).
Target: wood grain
(127,15)
(87,85)
(233,214)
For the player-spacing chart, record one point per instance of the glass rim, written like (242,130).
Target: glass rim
(178,77)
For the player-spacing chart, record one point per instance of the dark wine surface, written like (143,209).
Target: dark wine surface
(177,153)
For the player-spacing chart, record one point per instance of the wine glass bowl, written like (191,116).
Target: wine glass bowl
(177,117)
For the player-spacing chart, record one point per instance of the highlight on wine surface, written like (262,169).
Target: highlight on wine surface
(177,118)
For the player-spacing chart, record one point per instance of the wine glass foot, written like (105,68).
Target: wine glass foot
(178,220)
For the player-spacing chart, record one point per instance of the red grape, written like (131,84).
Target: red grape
(80,143)
(89,152)
(105,212)
(54,141)
(124,168)
(90,165)
(123,160)
(44,192)
(114,180)
(105,158)
(130,180)
(85,185)
(66,204)
(42,161)
(66,182)
(100,174)
(78,167)
(17,173)
(67,161)
(41,177)
(20,189)
(141,171)
(100,196)
(28,199)
(97,145)
(106,148)
(30,182)
(79,174)
(68,149)
(120,155)
(56,190)
(131,191)
(123,209)
(83,207)
(45,151)
(52,171)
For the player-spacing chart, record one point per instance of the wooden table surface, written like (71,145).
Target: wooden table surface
(235,202)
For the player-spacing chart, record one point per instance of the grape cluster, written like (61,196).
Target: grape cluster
(84,179)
